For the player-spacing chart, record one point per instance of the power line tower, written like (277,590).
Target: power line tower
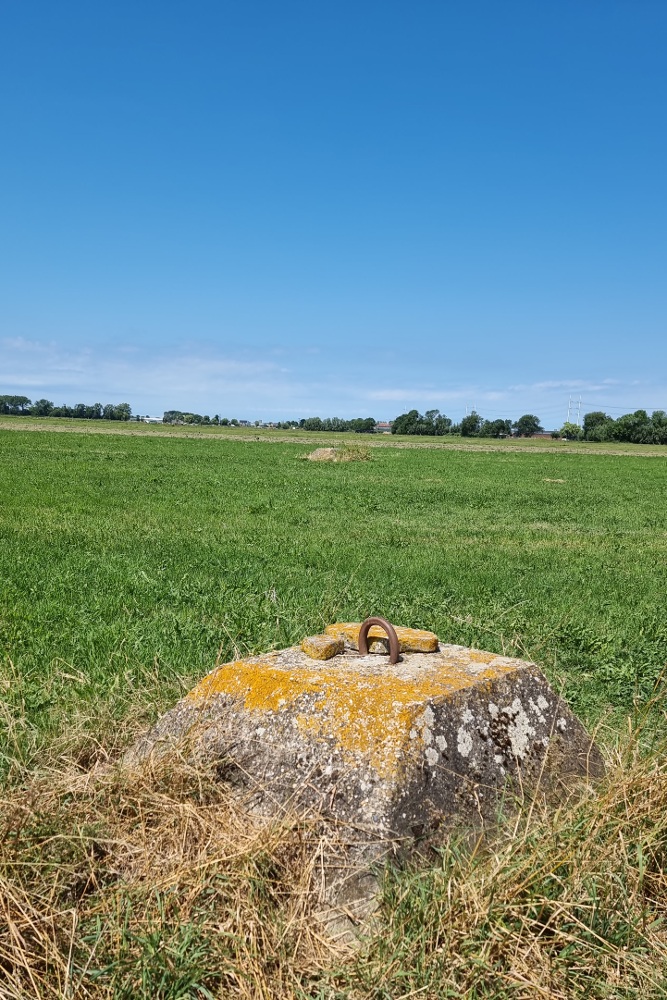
(570,407)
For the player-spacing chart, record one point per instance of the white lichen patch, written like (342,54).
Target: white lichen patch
(441,743)
(464,742)
(519,729)
(494,711)
(542,702)
(432,756)
(428,717)
(535,709)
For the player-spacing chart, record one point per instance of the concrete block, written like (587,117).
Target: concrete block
(386,755)
(398,749)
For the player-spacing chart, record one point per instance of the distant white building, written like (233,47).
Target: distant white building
(152,420)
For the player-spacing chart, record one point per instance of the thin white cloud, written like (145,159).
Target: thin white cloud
(574,384)
(25,346)
(261,386)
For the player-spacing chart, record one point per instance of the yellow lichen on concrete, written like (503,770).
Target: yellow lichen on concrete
(322,647)
(364,714)
(262,686)
(477,656)
(410,640)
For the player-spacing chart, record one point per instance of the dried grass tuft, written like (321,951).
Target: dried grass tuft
(351,452)
(155,882)
(152,882)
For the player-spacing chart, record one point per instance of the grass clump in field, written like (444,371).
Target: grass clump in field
(155,883)
(352,451)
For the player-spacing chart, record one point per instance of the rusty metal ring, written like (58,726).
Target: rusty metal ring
(391,635)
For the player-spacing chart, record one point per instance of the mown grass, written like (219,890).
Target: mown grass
(130,564)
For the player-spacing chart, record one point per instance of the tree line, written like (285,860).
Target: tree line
(23,407)
(473,425)
(360,425)
(634,428)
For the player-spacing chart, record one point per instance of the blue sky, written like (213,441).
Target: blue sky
(267,210)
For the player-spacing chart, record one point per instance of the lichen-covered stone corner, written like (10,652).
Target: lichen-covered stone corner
(390,752)
(322,647)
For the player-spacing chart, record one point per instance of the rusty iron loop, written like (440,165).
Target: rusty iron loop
(391,635)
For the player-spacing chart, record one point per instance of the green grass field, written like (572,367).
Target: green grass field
(131,563)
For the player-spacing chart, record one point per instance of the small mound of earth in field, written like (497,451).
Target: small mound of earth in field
(347,453)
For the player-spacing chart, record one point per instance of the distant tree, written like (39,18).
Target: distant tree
(430,423)
(496,428)
(601,431)
(123,411)
(636,428)
(597,418)
(362,425)
(572,432)
(405,423)
(659,421)
(16,405)
(442,425)
(471,425)
(42,408)
(527,425)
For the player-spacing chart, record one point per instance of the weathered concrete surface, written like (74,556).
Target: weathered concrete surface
(389,753)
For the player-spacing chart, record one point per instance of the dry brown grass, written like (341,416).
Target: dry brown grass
(564,904)
(155,882)
(152,882)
